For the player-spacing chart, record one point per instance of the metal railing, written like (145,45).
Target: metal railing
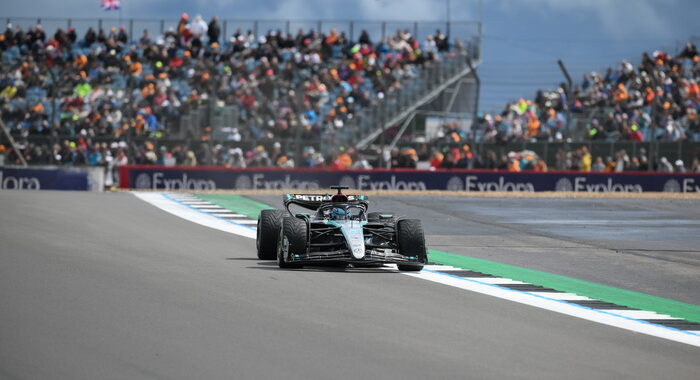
(411,91)
(549,151)
(352,28)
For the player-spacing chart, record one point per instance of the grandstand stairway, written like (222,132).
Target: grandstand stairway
(445,89)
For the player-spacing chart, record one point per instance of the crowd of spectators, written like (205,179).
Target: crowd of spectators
(582,160)
(110,99)
(577,159)
(621,104)
(463,157)
(108,85)
(658,100)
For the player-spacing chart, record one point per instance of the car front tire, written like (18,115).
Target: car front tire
(411,243)
(293,233)
(269,224)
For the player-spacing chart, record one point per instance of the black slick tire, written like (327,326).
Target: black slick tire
(269,224)
(411,243)
(294,232)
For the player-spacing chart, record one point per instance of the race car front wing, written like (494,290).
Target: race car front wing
(372,256)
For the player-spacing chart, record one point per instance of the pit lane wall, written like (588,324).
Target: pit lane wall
(51,178)
(215,178)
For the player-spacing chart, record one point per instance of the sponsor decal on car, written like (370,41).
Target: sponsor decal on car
(321,197)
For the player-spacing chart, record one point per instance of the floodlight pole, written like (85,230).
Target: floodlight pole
(478,89)
(18,153)
(568,93)
(447,14)
(447,18)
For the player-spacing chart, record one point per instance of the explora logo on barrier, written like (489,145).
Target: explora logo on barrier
(364,182)
(145,181)
(580,185)
(688,186)
(473,184)
(18,183)
(287,183)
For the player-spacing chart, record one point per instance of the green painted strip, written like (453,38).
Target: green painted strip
(236,203)
(571,285)
(251,208)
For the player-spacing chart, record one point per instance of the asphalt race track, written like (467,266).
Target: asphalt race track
(106,286)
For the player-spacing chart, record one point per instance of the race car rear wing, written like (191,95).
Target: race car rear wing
(314,201)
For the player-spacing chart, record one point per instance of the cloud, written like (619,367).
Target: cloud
(619,19)
(260,9)
(359,9)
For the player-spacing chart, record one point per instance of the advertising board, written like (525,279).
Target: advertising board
(213,178)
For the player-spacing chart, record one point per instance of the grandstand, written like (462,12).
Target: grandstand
(631,117)
(88,87)
(319,93)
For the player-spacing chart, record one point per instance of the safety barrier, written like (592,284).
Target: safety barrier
(51,178)
(213,178)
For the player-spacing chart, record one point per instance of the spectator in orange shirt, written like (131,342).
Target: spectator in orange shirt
(621,93)
(513,164)
(533,126)
(541,166)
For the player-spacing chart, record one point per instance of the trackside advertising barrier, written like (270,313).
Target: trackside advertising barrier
(43,178)
(212,178)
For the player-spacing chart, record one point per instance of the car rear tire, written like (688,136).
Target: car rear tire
(411,243)
(269,224)
(294,233)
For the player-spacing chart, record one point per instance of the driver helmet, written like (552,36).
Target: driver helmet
(338,213)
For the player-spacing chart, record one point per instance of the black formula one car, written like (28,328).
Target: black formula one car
(338,230)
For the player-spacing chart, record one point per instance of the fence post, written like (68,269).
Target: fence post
(131,29)
(544,153)
(54,140)
(129,145)
(383,31)
(569,90)
(99,24)
(352,30)
(223,41)
(162,26)
(612,150)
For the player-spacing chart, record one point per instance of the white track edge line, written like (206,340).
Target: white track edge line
(163,202)
(596,315)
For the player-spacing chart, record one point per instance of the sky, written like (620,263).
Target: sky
(522,39)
